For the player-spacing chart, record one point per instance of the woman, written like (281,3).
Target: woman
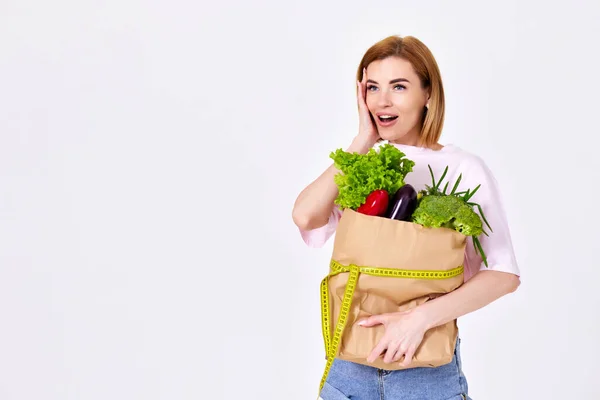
(401,100)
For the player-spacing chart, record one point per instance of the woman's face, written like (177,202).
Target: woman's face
(393,89)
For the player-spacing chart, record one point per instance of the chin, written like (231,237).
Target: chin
(390,135)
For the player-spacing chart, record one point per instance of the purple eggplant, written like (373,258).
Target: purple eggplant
(403,204)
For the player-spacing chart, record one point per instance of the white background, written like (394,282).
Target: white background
(151,152)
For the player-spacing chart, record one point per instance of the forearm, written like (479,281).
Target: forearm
(479,291)
(315,203)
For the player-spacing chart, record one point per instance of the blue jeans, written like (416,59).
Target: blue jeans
(348,380)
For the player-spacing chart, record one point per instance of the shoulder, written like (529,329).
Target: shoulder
(473,170)
(463,154)
(469,162)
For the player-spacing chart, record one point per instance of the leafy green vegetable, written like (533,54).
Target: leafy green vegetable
(361,174)
(438,209)
(447,212)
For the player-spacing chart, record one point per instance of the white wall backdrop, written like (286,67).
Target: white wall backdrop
(151,152)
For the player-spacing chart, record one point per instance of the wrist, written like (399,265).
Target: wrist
(359,145)
(425,316)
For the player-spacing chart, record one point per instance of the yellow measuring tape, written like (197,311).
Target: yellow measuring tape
(332,344)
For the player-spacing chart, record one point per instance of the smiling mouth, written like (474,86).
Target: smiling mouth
(387,119)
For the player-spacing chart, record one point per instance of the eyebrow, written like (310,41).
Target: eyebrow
(392,81)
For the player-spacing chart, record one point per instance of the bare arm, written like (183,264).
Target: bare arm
(405,330)
(315,203)
(479,291)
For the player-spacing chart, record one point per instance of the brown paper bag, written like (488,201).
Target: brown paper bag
(369,241)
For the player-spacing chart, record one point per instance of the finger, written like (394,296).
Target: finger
(382,345)
(391,352)
(410,353)
(373,320)
(363,80)
(399,353)
(364,83)
(361,96)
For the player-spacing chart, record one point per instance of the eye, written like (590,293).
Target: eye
(400,86)
(369,87)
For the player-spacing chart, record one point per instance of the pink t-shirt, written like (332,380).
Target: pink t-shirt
(497,247)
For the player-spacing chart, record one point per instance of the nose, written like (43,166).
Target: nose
(383,99)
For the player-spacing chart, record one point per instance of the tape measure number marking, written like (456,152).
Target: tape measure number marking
(332,344)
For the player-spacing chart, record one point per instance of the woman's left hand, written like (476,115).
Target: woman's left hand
(404,332)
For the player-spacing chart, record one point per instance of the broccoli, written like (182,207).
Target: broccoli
(436,209)
(447,212)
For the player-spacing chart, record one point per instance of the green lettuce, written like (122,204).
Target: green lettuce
(363,173)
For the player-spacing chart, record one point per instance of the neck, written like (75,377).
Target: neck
(412,139)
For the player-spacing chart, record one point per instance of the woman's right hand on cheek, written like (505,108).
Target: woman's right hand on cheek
(367,131)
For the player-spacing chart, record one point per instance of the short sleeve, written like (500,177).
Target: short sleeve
(319,236)
(497,246)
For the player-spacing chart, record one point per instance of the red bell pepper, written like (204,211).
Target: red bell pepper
(375,204)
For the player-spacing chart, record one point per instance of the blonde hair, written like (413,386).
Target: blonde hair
(420,57)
